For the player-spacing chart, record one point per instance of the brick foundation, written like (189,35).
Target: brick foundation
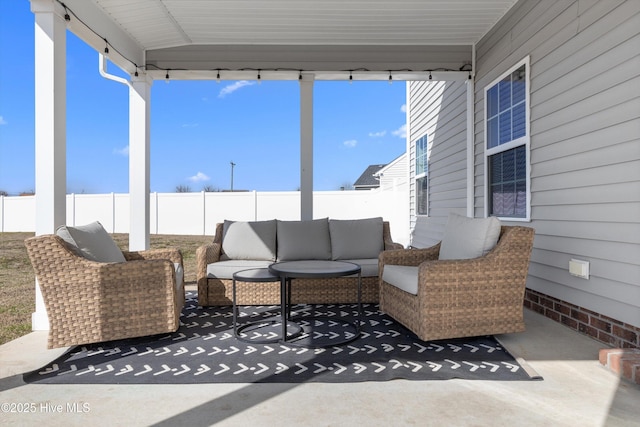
(602,328)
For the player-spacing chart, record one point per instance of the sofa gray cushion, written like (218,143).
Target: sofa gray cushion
(92,241)
(368,266)
(255,240)
(402,276)
(304,240)
(358,238)
(466,238)
(225,269)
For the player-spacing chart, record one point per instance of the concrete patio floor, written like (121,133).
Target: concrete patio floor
(576,390)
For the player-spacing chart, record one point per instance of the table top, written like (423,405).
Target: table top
(256,275)
(314,268)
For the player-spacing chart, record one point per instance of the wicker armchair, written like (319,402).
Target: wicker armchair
(89,301)
(460,298)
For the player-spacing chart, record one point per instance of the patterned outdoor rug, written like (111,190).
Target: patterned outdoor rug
(204,350)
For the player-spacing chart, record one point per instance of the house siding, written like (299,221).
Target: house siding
(584,144)
(438,110)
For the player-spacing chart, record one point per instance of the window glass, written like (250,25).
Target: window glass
(421,192)
(506,109)
(507,144)
(508,189)
(421,156)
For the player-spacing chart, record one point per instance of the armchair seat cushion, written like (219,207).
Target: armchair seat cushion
(402,277)
(179,276)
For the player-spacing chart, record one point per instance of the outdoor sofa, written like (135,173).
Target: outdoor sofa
(239,245)
(94,292)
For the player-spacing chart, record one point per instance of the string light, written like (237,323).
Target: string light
(350,78)
(259,78)
(166,77)
(390,78)
(218,77)
(430,78)
(106,48)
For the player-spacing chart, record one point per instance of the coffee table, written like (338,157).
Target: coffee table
(289,329)
(289,270)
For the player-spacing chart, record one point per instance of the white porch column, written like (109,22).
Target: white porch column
(50,128)
(139,161)
(306,147)
(470,148)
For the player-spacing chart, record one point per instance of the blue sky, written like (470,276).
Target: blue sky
(197,127)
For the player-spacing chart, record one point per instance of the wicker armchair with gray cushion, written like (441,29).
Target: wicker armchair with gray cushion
(466,285)
(94,292)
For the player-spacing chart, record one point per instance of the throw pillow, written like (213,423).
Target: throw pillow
(466,238)
(358,238)
(249,240)
(92,241)
(304,240)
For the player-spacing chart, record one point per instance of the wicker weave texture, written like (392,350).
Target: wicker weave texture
(459,298)
(309,291)
(89,301)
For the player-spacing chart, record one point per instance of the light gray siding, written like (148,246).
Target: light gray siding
(585,144)
(438,110)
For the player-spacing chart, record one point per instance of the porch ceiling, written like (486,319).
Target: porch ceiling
(307,35)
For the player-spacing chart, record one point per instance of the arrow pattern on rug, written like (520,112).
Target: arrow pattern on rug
(204,350)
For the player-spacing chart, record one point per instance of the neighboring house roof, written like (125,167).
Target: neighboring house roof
(368,179)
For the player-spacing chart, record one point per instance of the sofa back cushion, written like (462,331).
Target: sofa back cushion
(357,238)
(466,238)
(92,242)
(304,240)
(255,240)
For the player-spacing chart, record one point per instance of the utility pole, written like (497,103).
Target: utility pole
(232,165)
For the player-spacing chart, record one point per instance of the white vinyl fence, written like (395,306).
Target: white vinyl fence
(198,213)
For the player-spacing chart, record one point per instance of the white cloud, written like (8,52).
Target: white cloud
(378,134)
(403,108)
(229,89)
(122,151)
(2,121)
(401,132)
(199,177)
(350,143)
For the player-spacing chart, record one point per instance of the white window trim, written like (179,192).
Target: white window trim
(525,140)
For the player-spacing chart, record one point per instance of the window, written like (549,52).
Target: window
(422,161)
(507,144)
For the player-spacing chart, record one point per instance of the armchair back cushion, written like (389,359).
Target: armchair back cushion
(92,242)
(254,240)
(359,238)
(466,238)
(304,240)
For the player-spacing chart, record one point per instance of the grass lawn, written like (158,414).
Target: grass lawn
(17,280)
